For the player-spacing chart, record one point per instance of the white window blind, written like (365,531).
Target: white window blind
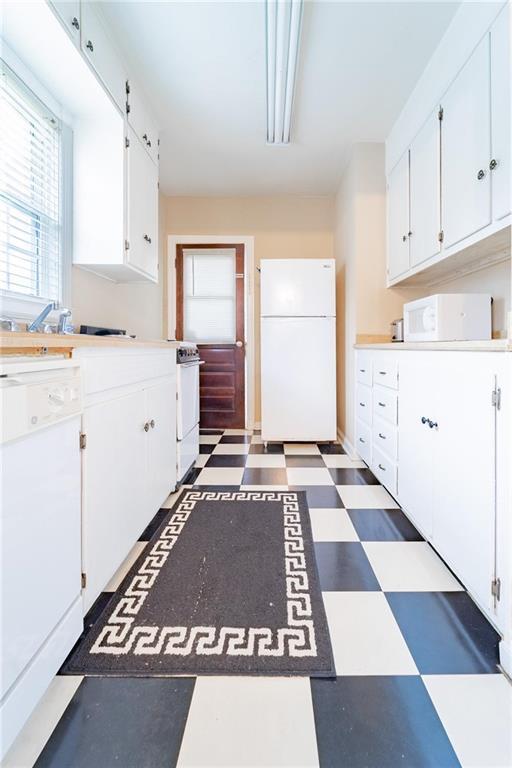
(30,189)
(209,295)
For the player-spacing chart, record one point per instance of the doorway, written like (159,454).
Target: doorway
(210,311)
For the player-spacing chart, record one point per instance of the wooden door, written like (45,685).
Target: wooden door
(466,147)
(425,192)
(398,218)
(222,377)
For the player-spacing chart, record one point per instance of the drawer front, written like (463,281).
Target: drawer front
(384,470)
(385,372)
(364,441)
(364,404)
(385,404)
(385,437)
(364,368)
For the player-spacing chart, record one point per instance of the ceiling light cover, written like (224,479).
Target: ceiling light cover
(283,21)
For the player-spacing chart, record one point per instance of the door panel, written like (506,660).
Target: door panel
(500,113)
(161,443)
(305,411)
(466,147)
(425,192)
(398,218)
(97,47)
(142,209)
(307,289)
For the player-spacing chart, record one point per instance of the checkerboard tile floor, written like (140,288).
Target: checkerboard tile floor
(416,683)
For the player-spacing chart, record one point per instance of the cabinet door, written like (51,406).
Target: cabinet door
(69,13)
(416,441)
(464,517)
(142,209)
(161,443)
(398,218)
(114,487)
(500,113)
(425,191)
(466,146)
(97,47)
(141,121)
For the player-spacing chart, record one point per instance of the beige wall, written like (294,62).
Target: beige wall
(283,227)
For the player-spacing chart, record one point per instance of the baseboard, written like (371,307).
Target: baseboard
(347,445)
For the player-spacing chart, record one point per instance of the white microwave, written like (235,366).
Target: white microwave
(448,317)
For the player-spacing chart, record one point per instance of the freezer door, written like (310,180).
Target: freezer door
(298,379)
(298,287)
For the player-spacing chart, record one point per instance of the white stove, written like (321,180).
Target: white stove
(187,403)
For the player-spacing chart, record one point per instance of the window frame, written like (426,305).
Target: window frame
(14,305)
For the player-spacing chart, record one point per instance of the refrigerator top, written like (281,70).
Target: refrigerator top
(298,288)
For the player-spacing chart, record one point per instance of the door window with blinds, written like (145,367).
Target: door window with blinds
(30,194)
(209,295)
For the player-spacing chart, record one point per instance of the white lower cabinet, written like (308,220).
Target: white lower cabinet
(129,458)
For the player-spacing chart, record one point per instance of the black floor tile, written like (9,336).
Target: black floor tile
(155,523)
(227,460)
(353,476)
(320,496)
(305,461)
(113,722)
(206,447)
(344,567)
(383,525)
(271,448)
(211,431)
(378,722)
(264,476)
(330,448)
(446,632)
(256,431)
(236,439)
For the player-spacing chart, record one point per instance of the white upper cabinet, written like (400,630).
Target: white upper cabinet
(68,12)
(466,146)
(142,235)
(398,218)
(98,49)
(425,188)
(500,115)
(140,120)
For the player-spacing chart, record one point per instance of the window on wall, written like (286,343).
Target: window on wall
(209,295)
(31,188)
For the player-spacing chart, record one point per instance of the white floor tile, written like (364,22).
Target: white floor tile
(301,449)
(258,460)
(232,448)
(39,727)
(123,569)
(341,461)
(476,712)
(309,476)
(409,566)
(366,639)
(366,497)
(332,525)
(238,431)
(220,476)
(209,439)
(256,721)
(170,500)
(202,459)
(256,440)
(263,487)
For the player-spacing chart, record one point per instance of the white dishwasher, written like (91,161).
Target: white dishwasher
(187,405)
(40,554)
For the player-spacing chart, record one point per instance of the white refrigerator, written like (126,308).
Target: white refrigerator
(298,350)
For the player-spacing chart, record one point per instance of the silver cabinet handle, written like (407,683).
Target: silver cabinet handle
(146,427)
(152,423)
(363,405)
(75,23)
(382,437)
(424,420)
(362,370)
(381,467)
(147,238)
(382,405)
(90,46)
(493,164)
(433,424)
(361,440)
(404,238)
(382,373)
(480,174)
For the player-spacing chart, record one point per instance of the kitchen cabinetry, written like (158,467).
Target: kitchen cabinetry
(129,459)
(68,12)
(425,203)
(142,234)
(500,115)
(398,218)
(98,49)
(140,120)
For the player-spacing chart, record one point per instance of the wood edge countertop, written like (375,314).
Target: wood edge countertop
(24,343)
(492,345)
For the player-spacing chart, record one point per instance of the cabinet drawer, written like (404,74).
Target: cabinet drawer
(384,470)
(385,404)
(364,369)
(385,437)
(364,441)
(385,373)
(364,403)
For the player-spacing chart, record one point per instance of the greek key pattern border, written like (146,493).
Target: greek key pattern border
(122,635)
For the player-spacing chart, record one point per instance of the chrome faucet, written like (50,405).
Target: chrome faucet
(36,324)
(64,326)
(8,324)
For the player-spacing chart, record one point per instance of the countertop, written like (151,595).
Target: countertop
(22,340)
(494,345)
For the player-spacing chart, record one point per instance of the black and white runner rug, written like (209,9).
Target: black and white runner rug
(227,585)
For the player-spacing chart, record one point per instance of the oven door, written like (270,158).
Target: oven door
(188,398)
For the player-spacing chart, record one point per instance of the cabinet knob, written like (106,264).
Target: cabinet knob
(146,427)
(152,423)
(404,238)
(424,420)
(382,405)
(361,440)
(493,164)
(480,174)
(433,424)
(75,23)
(363,405)
(147,238)
(381,467)
(382,437)
(89,45)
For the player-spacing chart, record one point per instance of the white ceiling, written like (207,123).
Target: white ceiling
(203,69)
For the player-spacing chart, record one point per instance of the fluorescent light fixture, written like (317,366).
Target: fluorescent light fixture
(284,19)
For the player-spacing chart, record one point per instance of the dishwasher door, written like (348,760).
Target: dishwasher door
(188,398)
